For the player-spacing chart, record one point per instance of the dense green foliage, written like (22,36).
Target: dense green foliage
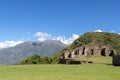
(37,59)
(60,72)
(98,39)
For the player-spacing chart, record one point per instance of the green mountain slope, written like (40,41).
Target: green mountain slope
(96,39)
(15,54)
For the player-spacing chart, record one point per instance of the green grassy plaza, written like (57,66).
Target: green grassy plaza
(95,71)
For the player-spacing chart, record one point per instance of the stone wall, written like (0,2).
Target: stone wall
(69,61)
(89,51)
(97,51)
(116,60)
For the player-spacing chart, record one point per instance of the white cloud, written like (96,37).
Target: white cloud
(7,44)
(112,31)
(42,36)
(42,39)
(67,41)
(45,36)
(98,30)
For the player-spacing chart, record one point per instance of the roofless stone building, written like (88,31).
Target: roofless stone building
(87,50)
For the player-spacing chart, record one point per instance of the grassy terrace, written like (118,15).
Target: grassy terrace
(97,60)
(95,71)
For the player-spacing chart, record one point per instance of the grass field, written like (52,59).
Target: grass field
(95,71)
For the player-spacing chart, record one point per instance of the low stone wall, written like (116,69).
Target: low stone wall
(72,61)
(68,61)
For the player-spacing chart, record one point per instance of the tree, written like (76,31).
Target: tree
(37,59)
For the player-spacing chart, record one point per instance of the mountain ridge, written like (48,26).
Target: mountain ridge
(14,55)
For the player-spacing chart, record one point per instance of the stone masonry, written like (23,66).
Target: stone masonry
(87,50)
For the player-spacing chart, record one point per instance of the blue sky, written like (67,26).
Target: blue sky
(21,20)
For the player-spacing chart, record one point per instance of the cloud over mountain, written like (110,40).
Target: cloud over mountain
(45,36)
(42,36)
(67,41)
(7,44)
(98,30)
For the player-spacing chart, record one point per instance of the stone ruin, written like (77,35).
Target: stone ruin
(72,61)
(88,51)
(69,61)
(116,60)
